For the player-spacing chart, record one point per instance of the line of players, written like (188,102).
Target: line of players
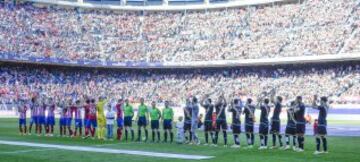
(295,126)
(94,118)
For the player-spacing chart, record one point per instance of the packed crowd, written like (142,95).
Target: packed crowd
(158,85)
(310,28)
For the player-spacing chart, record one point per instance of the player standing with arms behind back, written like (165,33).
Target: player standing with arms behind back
(168,116)
(128,115)
(155,115)
(101,119)
(321,129)
(142,118)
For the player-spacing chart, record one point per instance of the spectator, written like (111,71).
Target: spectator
(312,28)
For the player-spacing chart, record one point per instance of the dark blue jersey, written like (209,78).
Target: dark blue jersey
(290,118)
(220,110)
(209,109)
(236,111)
(249,111)
(187,116)
(265,109)
(300,113)
(322,114)
(277,111)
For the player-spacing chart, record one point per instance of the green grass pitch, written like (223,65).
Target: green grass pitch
(341,149)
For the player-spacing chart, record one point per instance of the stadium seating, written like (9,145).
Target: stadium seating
(309,28)
(338,81)
(301,29)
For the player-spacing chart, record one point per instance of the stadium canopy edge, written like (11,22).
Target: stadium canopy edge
(184,65)
(229,4)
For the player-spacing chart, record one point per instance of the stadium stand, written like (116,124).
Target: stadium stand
(340,81)
(266,31)
(309,28)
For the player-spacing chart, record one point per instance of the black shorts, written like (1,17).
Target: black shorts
(167,124)
(264,129)
(155,124)
(249,127)
(300,128)
(290,130)
(221,123)
(275,126)
(127,121)
(142,121)
(236,128)
(321,130)
(187,125)
(208,125)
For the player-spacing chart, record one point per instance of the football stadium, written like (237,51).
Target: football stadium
(179,80)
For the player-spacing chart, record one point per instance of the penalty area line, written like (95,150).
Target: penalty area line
(108,150)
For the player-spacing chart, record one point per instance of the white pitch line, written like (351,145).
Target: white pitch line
(113,144)
(118,144)
(25,151)
(107,150)
(109,144)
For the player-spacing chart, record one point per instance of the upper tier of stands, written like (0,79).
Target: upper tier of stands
(310,28)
